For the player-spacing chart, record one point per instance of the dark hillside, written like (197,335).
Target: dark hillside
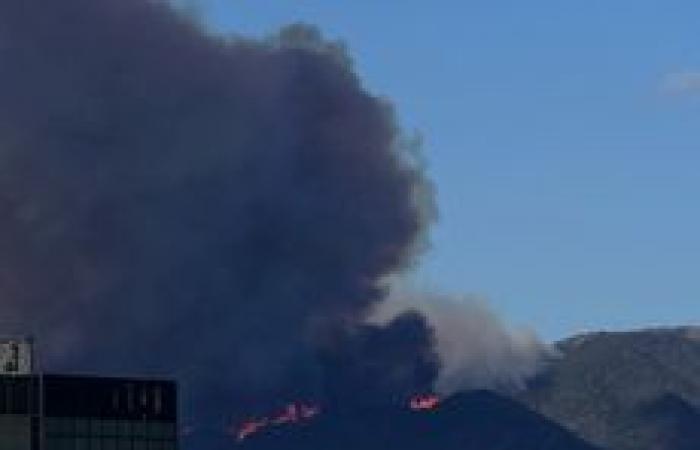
(626,391)
(474,421)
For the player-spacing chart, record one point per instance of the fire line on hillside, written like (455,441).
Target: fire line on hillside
(293,413)
(299,413)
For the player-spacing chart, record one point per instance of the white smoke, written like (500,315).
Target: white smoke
(477,350)
(685,82)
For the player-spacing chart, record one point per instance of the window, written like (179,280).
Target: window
(157,400)
(110,428)
(139,429)
(56,426)
(60,444)
(82,427)
(124,428)
(109,444)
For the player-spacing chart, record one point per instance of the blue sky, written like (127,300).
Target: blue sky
(562,138)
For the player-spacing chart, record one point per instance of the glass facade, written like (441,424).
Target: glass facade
(19,413)
(15,432)
(87,413)
(97,434)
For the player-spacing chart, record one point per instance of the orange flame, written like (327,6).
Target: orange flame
(250,427)
(424,402)
(292,413)
(298,412)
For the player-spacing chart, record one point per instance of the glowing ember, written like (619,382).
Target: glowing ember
(292,413)
(309,411)
(424,402)
(250,427)
(186,430)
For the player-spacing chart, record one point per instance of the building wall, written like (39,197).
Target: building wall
(15,432)
(68,433)
(87,413)
(18,413)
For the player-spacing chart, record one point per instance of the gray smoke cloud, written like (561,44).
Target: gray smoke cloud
(174,202)
(681,83)
(477,350)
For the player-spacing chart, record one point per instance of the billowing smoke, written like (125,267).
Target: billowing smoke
(373,364)
(220,209)
(476,349)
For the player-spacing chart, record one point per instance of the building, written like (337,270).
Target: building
(59,412)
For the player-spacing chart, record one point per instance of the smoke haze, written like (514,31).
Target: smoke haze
(476,349)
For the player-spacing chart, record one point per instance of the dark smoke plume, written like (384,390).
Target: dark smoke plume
(476,348)
(371,364)
(178,203)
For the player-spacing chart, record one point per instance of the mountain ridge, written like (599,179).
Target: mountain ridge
(604,385)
